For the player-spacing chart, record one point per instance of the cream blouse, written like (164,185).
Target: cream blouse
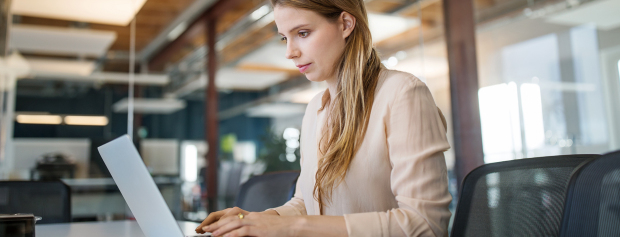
(397,183)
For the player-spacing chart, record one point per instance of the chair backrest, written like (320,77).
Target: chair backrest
(48,199)
(592,205)
(266,191)
(515,198)
(234,179)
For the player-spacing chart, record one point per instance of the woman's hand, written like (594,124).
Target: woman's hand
(216,216)
(254,224)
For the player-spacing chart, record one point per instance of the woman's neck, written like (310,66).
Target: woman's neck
(332,86)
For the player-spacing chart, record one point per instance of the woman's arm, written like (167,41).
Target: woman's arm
(294,207)
(260,224)
(270,212)
(321,226)
(234,211)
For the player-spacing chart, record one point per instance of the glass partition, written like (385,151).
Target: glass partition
(544,89)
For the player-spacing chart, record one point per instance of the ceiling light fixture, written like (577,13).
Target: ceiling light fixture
(38,119)
(260,12)
(150,106)
(86,120)
(178,30)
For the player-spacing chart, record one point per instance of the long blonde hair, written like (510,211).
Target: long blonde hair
(358,71)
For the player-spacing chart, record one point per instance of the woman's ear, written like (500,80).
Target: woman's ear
(347,24)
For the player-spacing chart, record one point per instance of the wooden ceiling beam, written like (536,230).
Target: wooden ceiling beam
(248,43)
(384,6)
(158,61)
(195,29)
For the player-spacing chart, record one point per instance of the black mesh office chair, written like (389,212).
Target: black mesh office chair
(48,199)
(593,199)
(233,179)
(515,198)
(266,191)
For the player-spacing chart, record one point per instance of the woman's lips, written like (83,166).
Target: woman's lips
(303,68)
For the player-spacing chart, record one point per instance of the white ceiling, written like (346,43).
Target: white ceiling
(386,26)
(604,13)
(232,79)
(60,41)
(112,12)
(271,54)
(247,79)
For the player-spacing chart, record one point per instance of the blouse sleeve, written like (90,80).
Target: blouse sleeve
(416,140)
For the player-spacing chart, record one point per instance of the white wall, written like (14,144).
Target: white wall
(26,151)
(161,156)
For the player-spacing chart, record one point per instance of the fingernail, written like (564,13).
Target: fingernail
(226,235)
(205,228)
(217,233)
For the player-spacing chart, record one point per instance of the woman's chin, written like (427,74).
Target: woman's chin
(313,78)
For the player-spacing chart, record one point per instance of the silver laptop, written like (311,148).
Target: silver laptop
(139,190)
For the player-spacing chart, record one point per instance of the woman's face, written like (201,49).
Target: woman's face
(312,42)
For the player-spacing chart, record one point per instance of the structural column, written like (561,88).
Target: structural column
(211,130)
(461,43)
(7,93)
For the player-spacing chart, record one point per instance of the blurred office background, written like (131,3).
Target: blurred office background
(547,76)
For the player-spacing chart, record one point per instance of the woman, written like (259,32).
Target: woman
(372,144)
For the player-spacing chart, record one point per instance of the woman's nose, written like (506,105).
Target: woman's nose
(292,52)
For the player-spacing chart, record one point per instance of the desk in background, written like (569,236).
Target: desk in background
(101,229)
(91,198)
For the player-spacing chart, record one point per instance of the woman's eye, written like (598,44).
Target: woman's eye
(303,34)
(283,39)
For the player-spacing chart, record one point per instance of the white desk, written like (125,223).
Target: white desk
(101,229)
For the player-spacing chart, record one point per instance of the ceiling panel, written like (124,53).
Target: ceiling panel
(276,110)
(150,106)
(113,12)
(59,66)
(61,41)
(152,18)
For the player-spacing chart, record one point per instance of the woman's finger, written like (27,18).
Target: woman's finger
(213,217)
(230,212)
(235,212)
(210,218)
(243,231)
(217,225)
(230,226)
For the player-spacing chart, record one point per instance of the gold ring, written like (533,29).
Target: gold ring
(240,215)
